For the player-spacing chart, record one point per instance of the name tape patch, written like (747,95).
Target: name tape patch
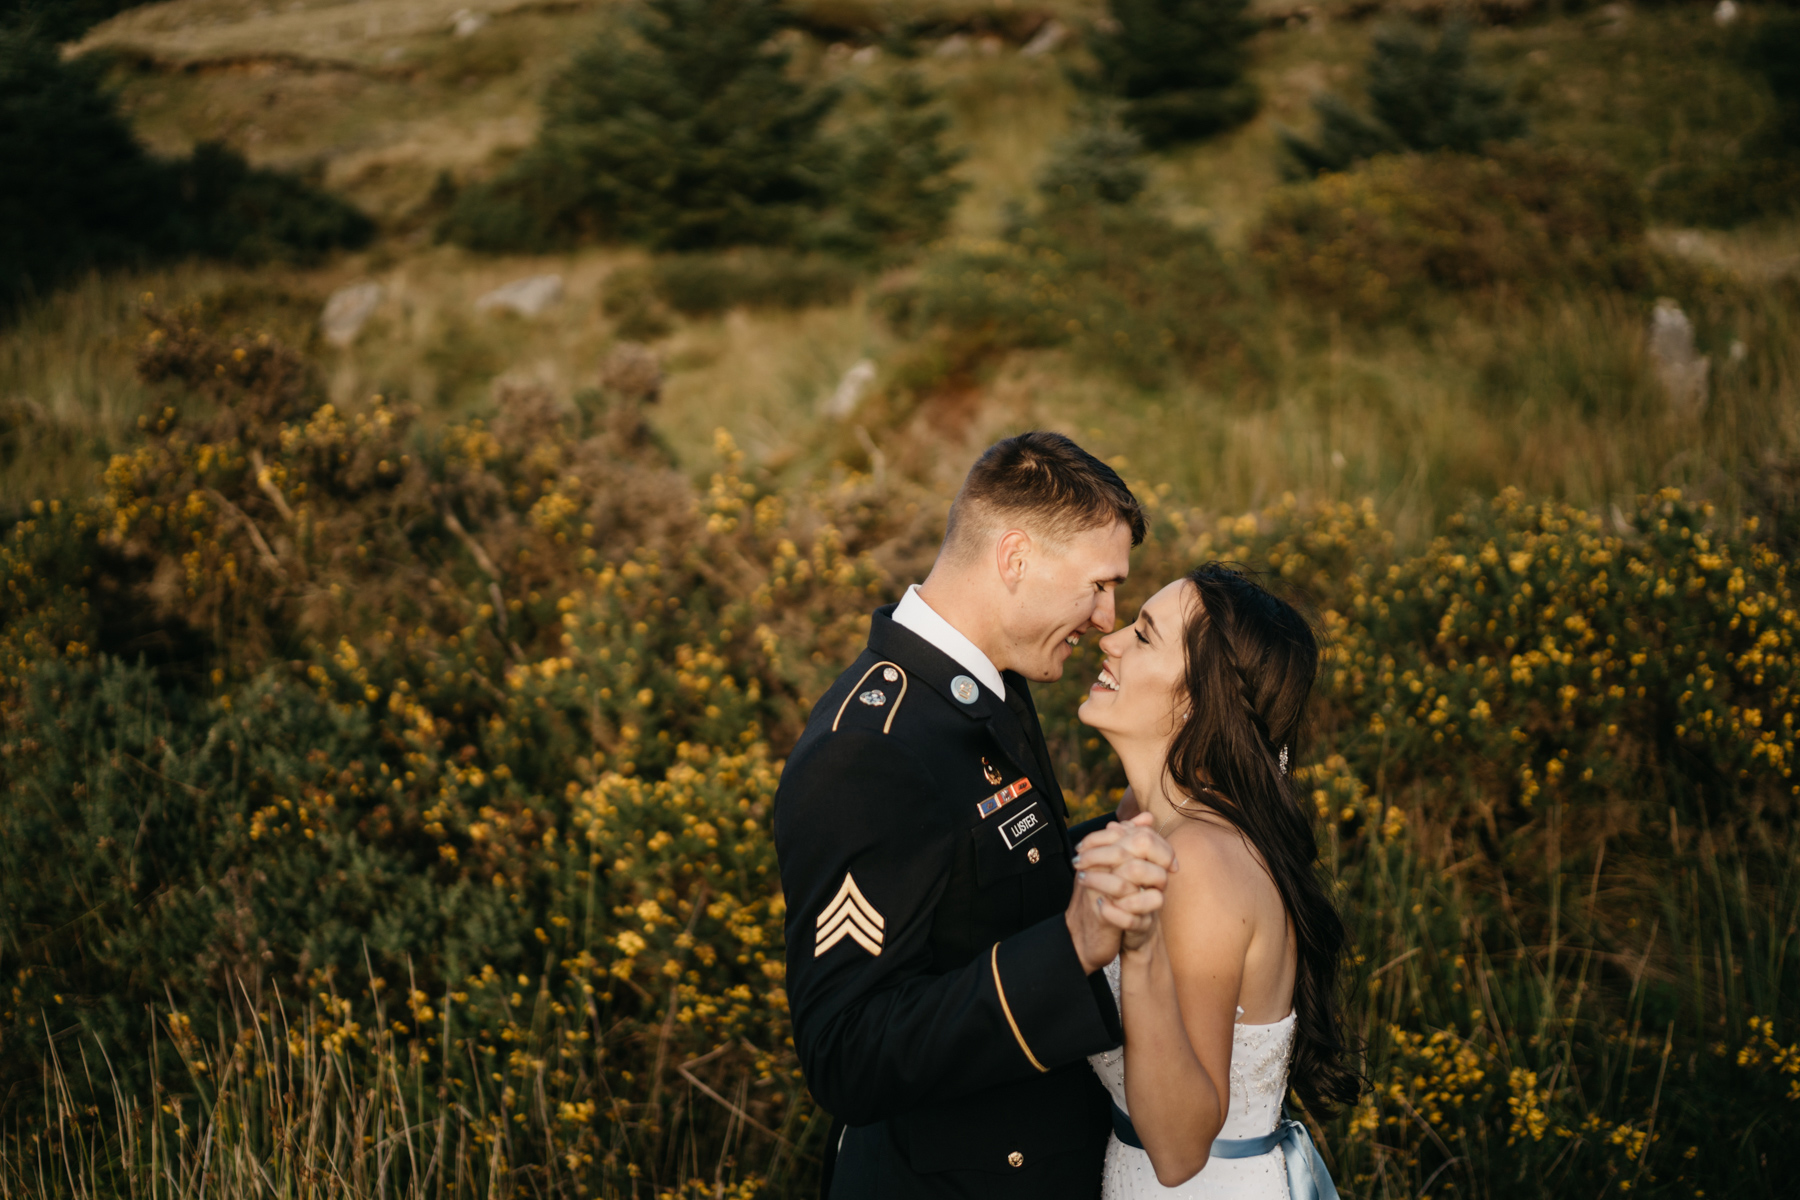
(1022,826)
(1003,797)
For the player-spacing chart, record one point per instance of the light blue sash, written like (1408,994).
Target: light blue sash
(1307,1177)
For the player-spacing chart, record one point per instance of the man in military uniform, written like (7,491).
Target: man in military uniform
(942,968)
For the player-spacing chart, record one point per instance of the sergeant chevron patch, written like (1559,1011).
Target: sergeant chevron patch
(849,915)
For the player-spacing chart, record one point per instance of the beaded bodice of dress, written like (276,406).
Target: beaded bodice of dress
(1259,1066)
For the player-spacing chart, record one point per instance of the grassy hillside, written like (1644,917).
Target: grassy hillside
(383,105)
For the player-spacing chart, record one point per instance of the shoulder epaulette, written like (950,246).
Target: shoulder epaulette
(876,697)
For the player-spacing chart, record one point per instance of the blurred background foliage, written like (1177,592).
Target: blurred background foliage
(390,709)
(82,193)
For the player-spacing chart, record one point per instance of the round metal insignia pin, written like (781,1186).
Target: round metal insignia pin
(891,675)
(873,698)
(964,689)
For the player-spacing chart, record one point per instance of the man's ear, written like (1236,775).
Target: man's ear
(1011,555)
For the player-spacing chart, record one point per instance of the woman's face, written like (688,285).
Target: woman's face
(1140,692)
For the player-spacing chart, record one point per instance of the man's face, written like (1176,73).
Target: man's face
(1063,593)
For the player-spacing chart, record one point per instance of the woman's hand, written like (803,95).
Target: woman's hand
(1144,936)
(1122,871)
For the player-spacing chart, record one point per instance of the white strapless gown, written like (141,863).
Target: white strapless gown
(1259,1064)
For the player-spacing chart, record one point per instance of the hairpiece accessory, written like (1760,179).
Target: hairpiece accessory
(1284,760)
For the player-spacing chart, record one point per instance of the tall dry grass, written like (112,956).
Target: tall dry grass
(1565,1021)
(301,1102)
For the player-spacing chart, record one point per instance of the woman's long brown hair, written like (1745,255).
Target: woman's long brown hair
(1251,661)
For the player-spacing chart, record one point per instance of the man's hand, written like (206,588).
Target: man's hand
(1122,871)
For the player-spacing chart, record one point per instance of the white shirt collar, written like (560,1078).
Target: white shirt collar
(924,620)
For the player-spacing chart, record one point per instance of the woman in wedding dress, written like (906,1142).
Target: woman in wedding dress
(1228,998)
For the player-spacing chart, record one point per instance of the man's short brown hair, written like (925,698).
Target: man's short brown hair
(1042,483)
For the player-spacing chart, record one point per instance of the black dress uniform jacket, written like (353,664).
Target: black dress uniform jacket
(940,1010)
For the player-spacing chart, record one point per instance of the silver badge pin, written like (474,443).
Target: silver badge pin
(873,698)
(964,689)
(891,675)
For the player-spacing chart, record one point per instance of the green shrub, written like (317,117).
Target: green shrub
(464,356)
(1763,177)
(637,310)
(1421,96)
(1121,287)
(642,300)
(1099,162)
(254,215)
(520,903)
(893,191)
(59,20)
(898,28)
(700,285)
(686,134)
(351,751)
(1547,729)
(353,778)
(690,134)
(1729,193)
(1377,242)
(80,191)
(1178,65)
(1773,52)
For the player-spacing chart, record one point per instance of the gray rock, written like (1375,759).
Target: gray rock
(1684,375)
(527,297)
(348,310)
(1050,35)
(851,389)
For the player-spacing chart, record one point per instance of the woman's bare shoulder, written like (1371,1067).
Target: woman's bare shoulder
(1217,862)
(1214,839)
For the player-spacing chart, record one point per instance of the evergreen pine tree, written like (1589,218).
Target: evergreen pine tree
(1422,96)
(60,20)
(1100,161)
(79,191)
(1178,65)
(689,135)
(1763,177)
(1773,51)
(894,185)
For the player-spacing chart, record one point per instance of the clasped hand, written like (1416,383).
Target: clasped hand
(1121,872)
